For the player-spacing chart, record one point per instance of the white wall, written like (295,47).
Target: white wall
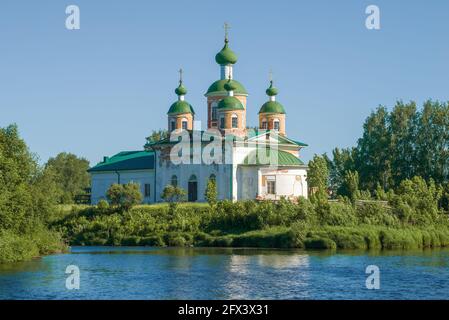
(101,181)
(166,169)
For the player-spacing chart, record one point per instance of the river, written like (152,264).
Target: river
(211,273)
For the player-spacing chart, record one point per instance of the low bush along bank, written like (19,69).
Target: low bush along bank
(258,224)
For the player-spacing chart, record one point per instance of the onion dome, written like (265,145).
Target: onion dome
(271,91)
(272,106)
(226,55)
(180,106)
(230,102)
(181,90)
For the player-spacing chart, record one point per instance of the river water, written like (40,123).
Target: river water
(211,273)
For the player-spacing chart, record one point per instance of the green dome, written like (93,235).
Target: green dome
(181,90)
(226,56)
(272,107)
(271,91)
(230,103)
(230,85)
(218,87)
(180,107)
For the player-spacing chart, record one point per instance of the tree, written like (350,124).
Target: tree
(317,177)
(157,135)
(70,175)
(172,194)
(27,201)
(350,186)
(211,192)
(124,196)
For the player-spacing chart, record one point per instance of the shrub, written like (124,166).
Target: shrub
(319,243)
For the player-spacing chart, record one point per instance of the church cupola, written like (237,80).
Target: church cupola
(272,113)
(231,112)
(181,113)
(226,58)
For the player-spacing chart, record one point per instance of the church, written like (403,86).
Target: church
(261,164)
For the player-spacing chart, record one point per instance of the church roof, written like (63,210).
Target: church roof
(283,158)
(230,103)
(226,55)
(218,87)
(126,160)
(272,107)
(180,107)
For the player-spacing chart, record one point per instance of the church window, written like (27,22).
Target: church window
(271,187)
(184,124)
(174,181)
(264,124)
(234,121)
(222,122)
(147,190)
(214,111)
(276,125)
(172,125)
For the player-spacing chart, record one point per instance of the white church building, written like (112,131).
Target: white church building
(262,164)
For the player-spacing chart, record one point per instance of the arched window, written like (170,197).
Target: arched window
(184,123)
(235,121)
(172,124)
(222,122)
(193,189)
(264,124)
(174,180)
(276,125)
(214,111)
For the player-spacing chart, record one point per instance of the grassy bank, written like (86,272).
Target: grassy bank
(256,224)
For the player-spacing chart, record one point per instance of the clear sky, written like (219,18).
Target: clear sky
(102,89)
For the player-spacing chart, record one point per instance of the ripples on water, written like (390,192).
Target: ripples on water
(211,273)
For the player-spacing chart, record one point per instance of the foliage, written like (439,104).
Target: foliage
(69,174)
(211,192)
(156,135)
(396,146)
(124,196)
(27,201)
(317,178)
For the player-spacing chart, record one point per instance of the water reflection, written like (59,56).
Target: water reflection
(228,273)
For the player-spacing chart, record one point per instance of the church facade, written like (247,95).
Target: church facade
(245,163)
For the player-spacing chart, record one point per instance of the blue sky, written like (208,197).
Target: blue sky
(103,88)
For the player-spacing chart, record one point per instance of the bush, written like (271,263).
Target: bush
(319,243)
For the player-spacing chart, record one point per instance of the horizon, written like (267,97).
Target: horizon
(102,89)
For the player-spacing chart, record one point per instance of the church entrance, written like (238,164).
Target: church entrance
(193,189)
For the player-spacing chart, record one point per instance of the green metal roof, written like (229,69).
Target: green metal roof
(283,158)
(126,160)
(218,87)
(181,107)
(230,103)
(272,107)
(226,56)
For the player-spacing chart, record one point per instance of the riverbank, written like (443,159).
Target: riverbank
(284,224)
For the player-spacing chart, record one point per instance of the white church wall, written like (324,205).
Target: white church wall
(166,169)
(101,181)
(289,183)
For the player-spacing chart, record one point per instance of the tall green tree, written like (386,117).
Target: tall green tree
(318,178)
(70,175)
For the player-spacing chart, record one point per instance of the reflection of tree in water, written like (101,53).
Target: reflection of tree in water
(263,276)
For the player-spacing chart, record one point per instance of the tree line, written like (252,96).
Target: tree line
(395,146)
